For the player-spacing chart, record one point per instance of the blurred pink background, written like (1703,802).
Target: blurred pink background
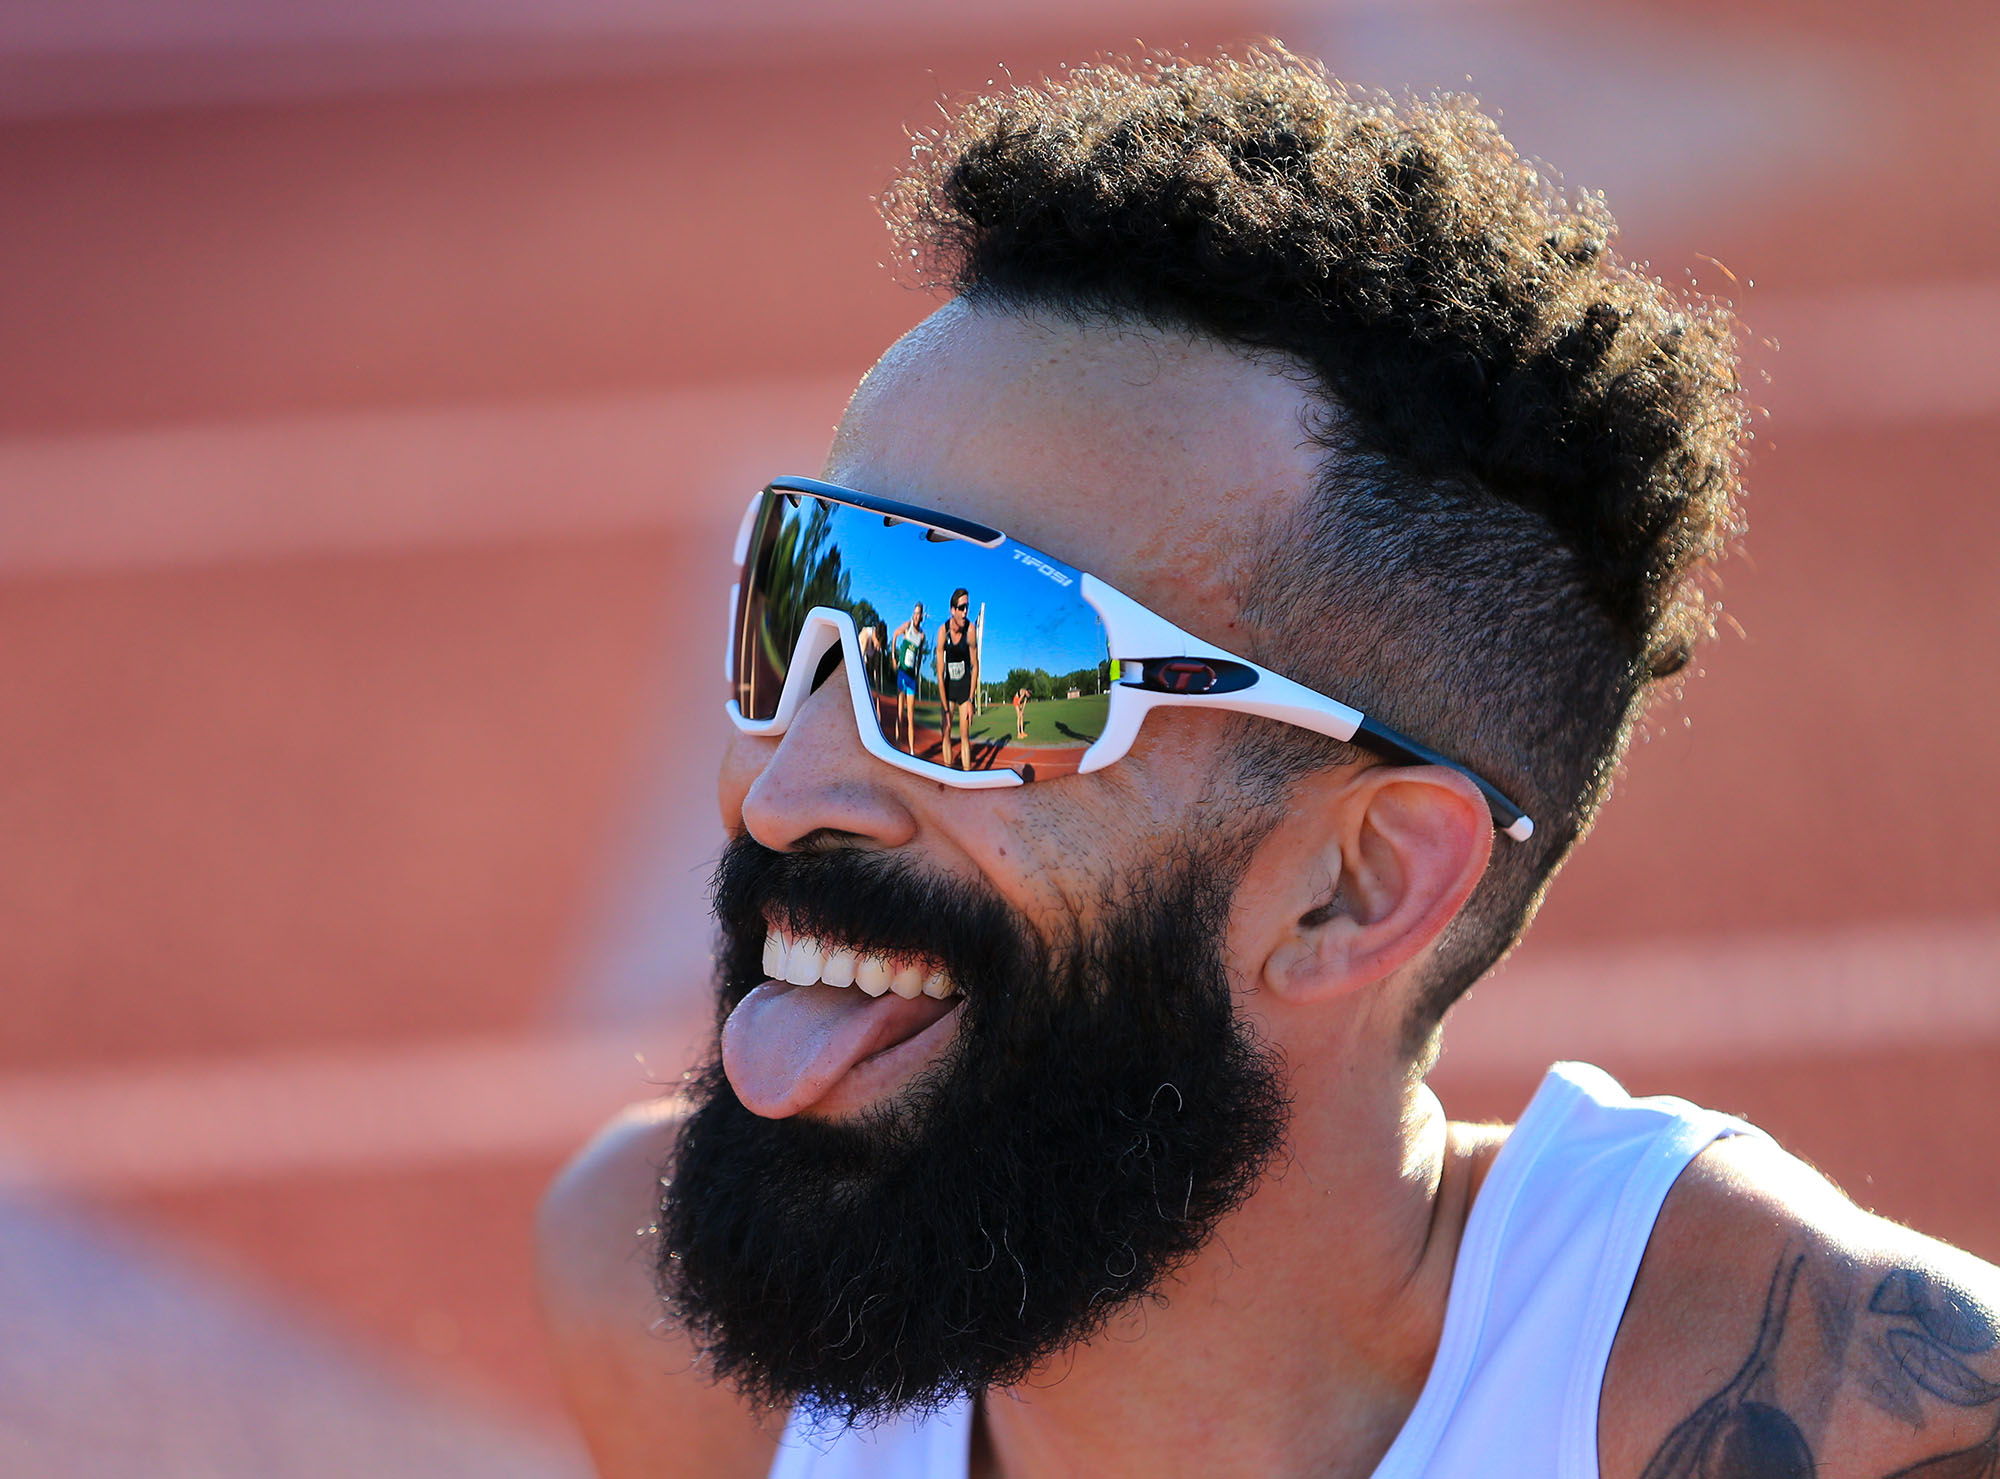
(382,380)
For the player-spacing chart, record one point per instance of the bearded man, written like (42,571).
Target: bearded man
(1069,1116)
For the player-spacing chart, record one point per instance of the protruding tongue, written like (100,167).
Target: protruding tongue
(785,1046)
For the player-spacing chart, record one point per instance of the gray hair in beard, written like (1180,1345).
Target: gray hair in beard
(1102,1109)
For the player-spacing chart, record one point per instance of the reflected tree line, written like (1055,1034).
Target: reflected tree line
(1043,685)
(806,571)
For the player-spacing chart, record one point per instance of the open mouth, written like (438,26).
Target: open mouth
(835,1029)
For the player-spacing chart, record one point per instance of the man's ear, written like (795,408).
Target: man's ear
(1403,847)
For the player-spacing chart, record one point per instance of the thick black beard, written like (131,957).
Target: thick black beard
(1102,1109)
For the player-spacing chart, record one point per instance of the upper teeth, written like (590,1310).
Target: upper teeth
(804,961)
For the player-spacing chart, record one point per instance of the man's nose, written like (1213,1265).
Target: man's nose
(816,781)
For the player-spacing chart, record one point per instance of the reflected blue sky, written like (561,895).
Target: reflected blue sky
(1032,620)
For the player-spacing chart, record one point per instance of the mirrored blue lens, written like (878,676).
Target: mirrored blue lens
(1016,676)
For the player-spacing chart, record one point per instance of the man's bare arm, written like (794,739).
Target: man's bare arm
(644,1409)
(1778,1331)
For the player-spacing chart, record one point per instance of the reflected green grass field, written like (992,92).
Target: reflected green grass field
(1052,722)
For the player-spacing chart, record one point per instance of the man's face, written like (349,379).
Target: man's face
(883,1201)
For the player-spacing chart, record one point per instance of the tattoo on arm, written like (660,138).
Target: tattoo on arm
(1740,1432)
(1914,1350)
(1942,1325)
(1933,1325)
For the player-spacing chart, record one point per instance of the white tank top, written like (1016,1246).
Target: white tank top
(1551,1247)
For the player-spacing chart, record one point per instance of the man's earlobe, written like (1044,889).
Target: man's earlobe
(1413,842)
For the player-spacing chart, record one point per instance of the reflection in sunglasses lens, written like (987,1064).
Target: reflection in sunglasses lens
(1015,677)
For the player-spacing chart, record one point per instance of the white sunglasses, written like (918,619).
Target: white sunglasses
(826,568)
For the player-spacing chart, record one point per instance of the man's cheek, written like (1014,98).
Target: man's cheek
(743,760)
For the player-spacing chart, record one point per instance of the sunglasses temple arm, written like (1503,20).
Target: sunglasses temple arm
(1274,696)
(1390,745)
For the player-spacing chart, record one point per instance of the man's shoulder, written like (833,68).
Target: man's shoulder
(630,1378)
(1776,1329)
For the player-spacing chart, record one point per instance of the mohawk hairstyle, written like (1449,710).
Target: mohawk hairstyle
(1533,448)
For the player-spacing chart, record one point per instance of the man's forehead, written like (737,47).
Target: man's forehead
(1156,459)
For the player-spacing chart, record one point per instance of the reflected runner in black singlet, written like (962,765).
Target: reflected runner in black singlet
(958,676)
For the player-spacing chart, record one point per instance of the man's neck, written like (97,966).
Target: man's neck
(1297,1341)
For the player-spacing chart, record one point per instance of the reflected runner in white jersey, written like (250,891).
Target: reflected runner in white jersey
(907,644)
